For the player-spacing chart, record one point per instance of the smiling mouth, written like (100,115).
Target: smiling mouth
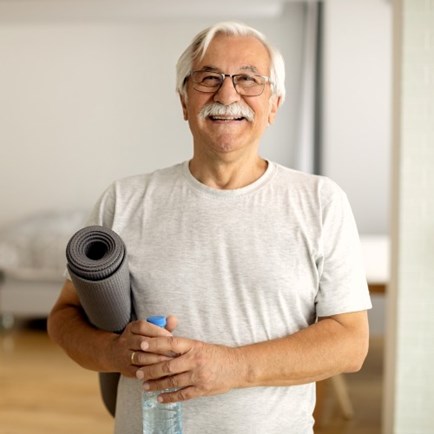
(219,113)
(226,118)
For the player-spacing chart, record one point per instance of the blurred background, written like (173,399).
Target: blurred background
(87,95)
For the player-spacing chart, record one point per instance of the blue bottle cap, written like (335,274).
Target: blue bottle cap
(158,320)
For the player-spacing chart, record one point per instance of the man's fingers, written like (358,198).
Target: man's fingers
(179,381)
(179,395)
(144,328)
(165,368)
(169,345)
(171,323)
(139,358)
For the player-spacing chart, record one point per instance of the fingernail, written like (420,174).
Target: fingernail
(144,346)
(139,375)
(146,386)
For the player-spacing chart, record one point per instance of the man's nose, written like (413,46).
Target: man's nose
(227,93)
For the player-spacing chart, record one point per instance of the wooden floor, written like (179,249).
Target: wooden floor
(42,391)
(366,392)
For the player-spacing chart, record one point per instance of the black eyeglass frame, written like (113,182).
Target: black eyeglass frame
(233,78)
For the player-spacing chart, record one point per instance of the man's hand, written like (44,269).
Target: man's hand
(127,349)
(199,369)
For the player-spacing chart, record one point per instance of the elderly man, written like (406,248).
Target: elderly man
(257,266)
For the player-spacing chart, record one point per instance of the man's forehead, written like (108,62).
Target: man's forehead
(214,68)
(247,52)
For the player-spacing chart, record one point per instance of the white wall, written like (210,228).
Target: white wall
(91,98)
(357,106)
(85,101)
(357,114)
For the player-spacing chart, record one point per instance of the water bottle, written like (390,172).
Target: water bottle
(160,418)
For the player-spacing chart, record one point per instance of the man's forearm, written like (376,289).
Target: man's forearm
(86,345)
(96,349)
(320,351)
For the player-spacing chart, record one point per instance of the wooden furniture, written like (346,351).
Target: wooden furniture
(377,288)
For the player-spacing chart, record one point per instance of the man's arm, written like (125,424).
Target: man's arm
(333,345)
(96,349)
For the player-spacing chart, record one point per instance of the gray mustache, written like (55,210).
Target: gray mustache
(235,110)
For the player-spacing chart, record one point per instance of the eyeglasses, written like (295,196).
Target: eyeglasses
(245,84)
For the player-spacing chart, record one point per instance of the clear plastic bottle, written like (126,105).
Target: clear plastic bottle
(160,418)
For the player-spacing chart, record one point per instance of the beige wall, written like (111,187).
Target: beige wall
(409,385)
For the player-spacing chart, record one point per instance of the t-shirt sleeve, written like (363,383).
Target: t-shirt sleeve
(342,285)
(102,213)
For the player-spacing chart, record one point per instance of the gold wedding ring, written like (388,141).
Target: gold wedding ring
(132,357)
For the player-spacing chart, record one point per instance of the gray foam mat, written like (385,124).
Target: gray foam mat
(98,265)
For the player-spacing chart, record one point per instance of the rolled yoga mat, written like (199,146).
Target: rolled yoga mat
(97,263)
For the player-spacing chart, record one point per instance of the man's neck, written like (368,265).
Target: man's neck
(228,174)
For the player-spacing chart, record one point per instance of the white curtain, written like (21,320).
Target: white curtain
(305,141)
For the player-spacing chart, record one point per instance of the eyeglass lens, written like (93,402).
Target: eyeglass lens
(245,84)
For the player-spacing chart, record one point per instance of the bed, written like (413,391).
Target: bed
(32,263)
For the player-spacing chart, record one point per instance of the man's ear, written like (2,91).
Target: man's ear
(184,106)
(275,102)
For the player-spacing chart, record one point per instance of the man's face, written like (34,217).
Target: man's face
(230,55)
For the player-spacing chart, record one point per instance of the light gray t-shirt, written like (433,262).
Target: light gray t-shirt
(236,267)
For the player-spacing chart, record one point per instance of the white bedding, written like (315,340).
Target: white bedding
(34,248)
(32,261)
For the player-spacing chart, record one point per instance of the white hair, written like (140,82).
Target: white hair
(197,49)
